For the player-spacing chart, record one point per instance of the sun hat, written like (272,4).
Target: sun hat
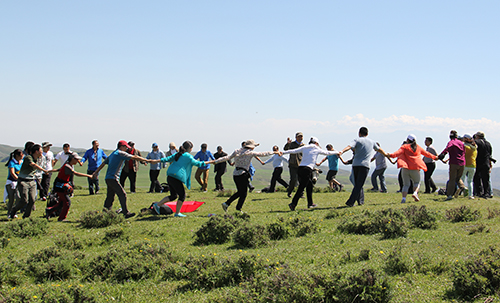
(250,143)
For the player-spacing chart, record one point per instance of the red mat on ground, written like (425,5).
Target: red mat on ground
(187,207)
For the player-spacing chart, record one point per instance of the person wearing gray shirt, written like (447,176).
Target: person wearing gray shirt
(363,148)
(380,167)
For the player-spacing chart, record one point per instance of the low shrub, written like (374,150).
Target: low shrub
(29,227)
(4,242)
(396,263)
(420,217)
(69,241)
(278,230)
(134,262)
(217,230)
(364,255)
(462,214)
(493,213)
(11,273)
(390,223)
(301,226)
(282,284)
(114,234)
(50,264)
(477,275)
(332,215)
(478,228)
(70,294)
(99,219)
(249,235)
(209,272)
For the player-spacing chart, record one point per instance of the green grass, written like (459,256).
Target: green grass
(327,251)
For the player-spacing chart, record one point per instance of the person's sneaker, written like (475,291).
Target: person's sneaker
(43,199)
(471,197)
(289,195)
(448,198)
(403,200)
(251,189)
(225,206)
(415,197)
(156,208)
(119,211)
(350,205)
(312,206)
(129,215)
(373,189)
(292,208)
(179,215)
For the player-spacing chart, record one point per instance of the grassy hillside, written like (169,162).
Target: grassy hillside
(373,253)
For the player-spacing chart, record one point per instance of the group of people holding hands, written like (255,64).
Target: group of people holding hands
(469,157)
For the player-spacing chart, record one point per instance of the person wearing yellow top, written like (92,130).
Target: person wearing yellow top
(470,162)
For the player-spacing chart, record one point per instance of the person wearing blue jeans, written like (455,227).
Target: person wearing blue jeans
(380,167)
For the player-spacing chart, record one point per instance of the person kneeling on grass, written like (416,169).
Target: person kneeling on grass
(64,188)
(178,174)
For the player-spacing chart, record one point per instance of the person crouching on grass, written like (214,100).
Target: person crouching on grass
(115,163)
(64,188)
(178,174)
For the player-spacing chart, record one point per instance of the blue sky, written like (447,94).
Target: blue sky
(224,71)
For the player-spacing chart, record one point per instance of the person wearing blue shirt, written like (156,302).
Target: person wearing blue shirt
(154,168)
(95,155)
(203,155)
(14,166)
(115,163)
(333,169)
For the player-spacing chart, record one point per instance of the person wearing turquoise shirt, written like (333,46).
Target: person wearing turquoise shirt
(178,174)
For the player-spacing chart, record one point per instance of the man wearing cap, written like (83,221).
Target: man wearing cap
(94,155)
(363,148)
(49,158)
(62,156)
(483,166)
(294,161)
(115,163)
(203,155)
(154,168)
(456,150)
(131,167)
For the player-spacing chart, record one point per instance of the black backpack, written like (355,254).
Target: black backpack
(164,187)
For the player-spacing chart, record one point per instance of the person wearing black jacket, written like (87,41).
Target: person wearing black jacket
(220,169)
(294,161)
(483,166)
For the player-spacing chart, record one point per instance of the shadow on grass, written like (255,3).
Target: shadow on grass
(152,218)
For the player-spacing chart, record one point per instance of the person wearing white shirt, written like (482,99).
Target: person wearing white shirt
(45,183)
(277,161)
(310,153)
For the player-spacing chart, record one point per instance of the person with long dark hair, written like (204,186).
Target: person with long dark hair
(241,175)
(26,186)
(178,174)
(64,188)
(14,166)
(410,161)
(309,153)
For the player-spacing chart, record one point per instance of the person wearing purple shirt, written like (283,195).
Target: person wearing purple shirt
(456,150)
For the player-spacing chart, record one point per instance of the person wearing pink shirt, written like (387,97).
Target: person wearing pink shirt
(456,150)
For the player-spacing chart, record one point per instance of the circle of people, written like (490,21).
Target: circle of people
(29,170)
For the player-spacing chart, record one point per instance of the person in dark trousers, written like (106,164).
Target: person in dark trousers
(430,186)
(131,167)
(361,163)
(294,161)
(220,169)
(115,163)
(155,168)
(94,156)
(484,161)
(277,161)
